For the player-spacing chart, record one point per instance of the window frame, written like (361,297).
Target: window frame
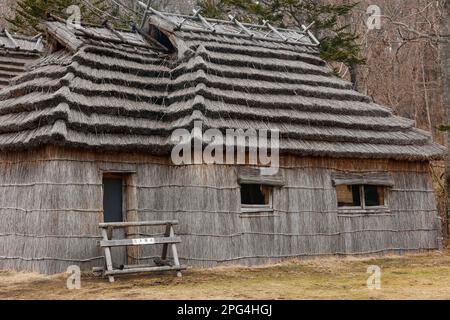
(377,178)
(252,175)
(363,207)
(254,208)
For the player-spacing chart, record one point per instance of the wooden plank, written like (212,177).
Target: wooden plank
(128,266)
(145,269)
(61,34)
(144,265)
(251,175)
(372,178)
(138,242)
(261,180)
(137,224)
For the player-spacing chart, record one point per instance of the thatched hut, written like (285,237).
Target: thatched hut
(89,127)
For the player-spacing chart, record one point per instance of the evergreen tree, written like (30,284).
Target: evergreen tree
(337,43)
(31,15)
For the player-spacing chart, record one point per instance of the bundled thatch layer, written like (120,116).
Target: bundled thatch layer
(16,52)
(111,90)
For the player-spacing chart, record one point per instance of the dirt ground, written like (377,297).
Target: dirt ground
(413,276)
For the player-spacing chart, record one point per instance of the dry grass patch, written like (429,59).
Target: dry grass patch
(415,276)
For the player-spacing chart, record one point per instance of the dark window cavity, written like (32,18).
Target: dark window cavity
(373,195)
(255,194)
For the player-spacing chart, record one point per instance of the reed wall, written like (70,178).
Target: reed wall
(51,204)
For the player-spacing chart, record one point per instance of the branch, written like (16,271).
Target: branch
(435,37)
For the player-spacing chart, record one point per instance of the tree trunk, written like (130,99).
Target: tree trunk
(444,49)
(354,75)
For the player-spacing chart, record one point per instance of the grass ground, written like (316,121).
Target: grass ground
(414,276)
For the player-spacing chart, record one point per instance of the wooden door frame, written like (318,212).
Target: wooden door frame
(129,206)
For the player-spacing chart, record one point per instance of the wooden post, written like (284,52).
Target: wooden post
(167,233)
(131,215)
(174,252)
(109,266)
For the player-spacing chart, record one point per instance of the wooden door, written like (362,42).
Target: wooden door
(113,208)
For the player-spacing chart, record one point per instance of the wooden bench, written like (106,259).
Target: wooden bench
(169,238)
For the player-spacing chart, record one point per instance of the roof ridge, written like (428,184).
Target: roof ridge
(21,43)
(55,18)
(21,36)
(233,27)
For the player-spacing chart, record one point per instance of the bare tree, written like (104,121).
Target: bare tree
(444,50)
(6,11)
(403,68)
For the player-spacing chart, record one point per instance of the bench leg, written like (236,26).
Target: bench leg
(108,258)
(165,245)
(175,253)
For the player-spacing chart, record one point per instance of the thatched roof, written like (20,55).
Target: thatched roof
(105,89)
(16,52)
